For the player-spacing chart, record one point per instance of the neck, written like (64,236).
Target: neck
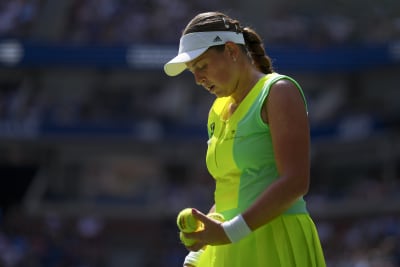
(245,84)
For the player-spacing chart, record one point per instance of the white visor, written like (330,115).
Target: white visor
(194,44)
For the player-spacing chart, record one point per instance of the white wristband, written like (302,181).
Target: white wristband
(193,257)
(236,228)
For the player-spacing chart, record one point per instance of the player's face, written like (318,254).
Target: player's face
(213,70)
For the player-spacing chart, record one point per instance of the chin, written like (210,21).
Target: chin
(217,94)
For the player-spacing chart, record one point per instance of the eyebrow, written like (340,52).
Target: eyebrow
(196,60)
(193,64)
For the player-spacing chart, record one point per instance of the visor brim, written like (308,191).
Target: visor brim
(178,64)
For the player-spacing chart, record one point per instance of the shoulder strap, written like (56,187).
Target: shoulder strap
(273,79)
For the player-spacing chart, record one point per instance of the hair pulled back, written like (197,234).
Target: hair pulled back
(217,21)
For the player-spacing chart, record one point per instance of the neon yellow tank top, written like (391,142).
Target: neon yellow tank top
(240,156)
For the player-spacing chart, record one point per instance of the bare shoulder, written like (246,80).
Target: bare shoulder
(285,88)
(285,93)
(284,98)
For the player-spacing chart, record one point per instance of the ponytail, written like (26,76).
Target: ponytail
(256,50)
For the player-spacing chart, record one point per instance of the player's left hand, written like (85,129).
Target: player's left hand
(211,234)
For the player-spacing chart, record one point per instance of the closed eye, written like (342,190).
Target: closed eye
(201,66)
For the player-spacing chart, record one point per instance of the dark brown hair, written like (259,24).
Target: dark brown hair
(217,21)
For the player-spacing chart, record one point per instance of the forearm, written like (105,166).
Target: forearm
(275,200)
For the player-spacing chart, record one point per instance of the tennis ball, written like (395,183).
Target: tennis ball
(186,222)
(186,241)
(216,216)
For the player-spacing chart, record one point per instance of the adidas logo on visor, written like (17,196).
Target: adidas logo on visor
(217,39)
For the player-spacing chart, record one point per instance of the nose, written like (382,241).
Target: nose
(200,80)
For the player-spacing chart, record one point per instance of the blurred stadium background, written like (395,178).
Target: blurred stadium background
(99,150)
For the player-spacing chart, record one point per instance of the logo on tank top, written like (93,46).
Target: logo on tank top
(212,128)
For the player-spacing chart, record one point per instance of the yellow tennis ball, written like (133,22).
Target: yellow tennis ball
(186,241)
(216,216)
(186,222)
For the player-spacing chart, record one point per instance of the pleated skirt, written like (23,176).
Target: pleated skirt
(288,241)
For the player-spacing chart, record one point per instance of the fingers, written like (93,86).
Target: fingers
(210,224)
(197,236)
(193,244)
(211,232)
(199,215)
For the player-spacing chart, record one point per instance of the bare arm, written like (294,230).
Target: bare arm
(286,115)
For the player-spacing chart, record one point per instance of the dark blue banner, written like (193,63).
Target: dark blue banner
(152,57)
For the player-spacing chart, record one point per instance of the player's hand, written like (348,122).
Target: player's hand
(211,234)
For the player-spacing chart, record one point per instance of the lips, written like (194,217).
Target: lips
(210,88)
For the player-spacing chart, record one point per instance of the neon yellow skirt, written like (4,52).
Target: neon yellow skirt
(288,241)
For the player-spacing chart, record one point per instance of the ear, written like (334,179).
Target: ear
(232,49)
